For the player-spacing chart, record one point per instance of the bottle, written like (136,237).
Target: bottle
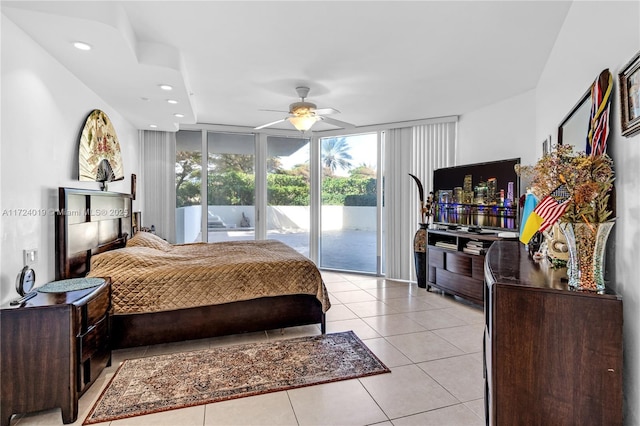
(153,229)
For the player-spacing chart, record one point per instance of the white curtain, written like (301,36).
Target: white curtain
(418,150)
(158,151)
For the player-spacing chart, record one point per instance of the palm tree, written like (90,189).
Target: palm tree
(335,153)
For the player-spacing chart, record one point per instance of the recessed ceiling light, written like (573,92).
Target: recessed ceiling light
(172,101)
(178,115)
(81,45)
(153,126)
(166,87)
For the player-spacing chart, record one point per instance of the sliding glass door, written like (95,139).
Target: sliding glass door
(288,191)
(349,215)
(231,183)
(188,183)
(234,186)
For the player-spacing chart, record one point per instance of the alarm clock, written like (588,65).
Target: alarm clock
(25,281)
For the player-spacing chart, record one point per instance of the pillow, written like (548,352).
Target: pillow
(147,239)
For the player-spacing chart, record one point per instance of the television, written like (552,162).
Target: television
(477,196)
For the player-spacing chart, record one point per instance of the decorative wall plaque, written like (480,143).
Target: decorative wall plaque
(99,153)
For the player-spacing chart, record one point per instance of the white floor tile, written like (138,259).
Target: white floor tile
(389,325)
(386,352)
(338,286)
(339,403)
(424,346)
(371,308)
(406,391)
(436,318)
(352,296)
(269,409)
(340,312)
(190,416)
(359,327)
(455,415)
(460,375)
(467,337)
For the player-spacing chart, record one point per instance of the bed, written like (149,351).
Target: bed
(163,292)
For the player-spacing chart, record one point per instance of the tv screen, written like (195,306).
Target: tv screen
(481,195)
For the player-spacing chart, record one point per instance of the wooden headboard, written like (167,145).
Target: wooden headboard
(88,222)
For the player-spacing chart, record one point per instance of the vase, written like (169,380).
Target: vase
(420,254)
(587,244)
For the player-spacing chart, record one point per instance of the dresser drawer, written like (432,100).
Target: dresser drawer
(95,309)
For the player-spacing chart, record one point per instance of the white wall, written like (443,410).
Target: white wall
(595,36)
(43,111)
(499,131)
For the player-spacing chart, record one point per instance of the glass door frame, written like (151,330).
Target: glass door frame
(316,197)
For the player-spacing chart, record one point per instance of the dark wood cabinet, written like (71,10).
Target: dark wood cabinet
(53,348)
(451,269)
(552,355)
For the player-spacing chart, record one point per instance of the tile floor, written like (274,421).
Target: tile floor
(431,342)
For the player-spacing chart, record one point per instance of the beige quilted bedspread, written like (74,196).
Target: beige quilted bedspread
(145,279)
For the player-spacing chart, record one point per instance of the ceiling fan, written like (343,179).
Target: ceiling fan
(303,115)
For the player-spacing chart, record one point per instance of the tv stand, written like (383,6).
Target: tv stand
(455,261)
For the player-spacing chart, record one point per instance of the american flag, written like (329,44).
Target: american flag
(550,210)
(599,117)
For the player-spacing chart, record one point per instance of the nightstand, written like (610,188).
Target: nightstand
(54,346)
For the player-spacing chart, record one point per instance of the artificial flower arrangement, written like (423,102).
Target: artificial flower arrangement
(581,184)
(587,179)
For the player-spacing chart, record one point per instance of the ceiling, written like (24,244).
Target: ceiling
(374,61)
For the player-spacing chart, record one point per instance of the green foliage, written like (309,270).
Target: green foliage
(232,188)
(287,190)
(336,189)
(231,181)
(188,194)
(188,175)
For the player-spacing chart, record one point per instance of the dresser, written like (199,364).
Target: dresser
(552,356)
(54,347)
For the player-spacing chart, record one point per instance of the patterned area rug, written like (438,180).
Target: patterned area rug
(166,382)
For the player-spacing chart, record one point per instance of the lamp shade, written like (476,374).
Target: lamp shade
(303,122)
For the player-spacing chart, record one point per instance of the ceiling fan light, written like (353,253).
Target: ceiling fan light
(303,123)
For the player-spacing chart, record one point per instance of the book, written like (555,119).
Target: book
(443,244)
(473,250)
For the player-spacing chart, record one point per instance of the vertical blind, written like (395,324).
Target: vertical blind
(158,181)
(418,150)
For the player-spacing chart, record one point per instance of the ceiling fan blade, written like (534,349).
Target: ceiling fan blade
(269,124)
(323,111)
(338,123)
(273,110)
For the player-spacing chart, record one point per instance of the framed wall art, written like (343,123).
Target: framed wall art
(629,79)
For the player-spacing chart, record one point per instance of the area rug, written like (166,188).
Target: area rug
(167,382)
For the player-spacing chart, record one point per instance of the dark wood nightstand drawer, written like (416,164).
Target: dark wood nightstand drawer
(95,339)
(96,308)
